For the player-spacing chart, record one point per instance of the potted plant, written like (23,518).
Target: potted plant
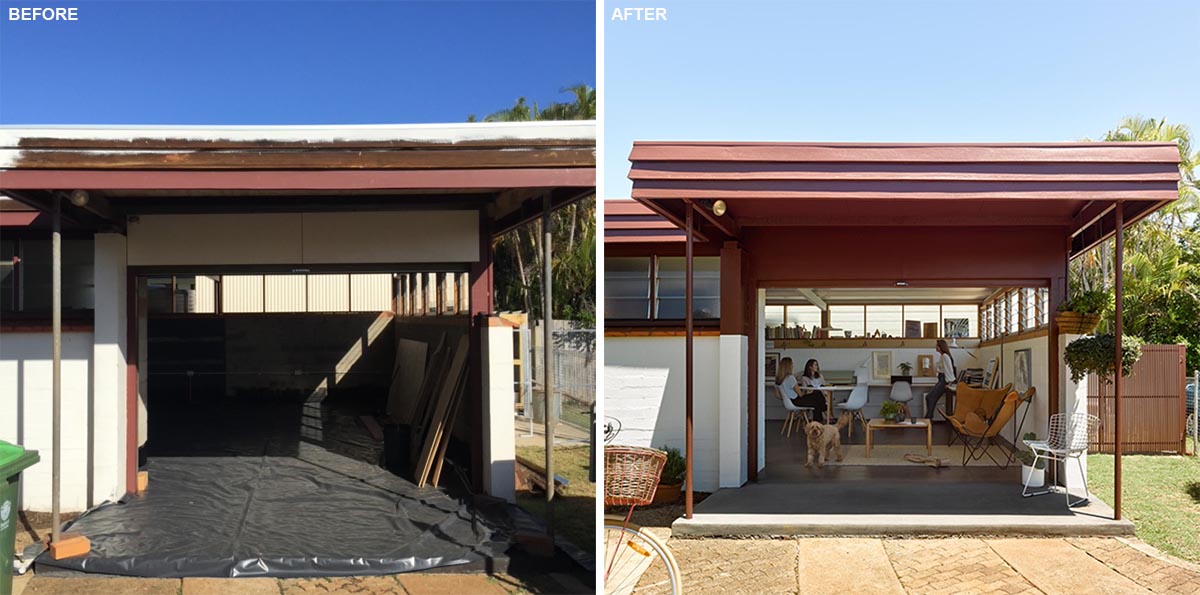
(1080,313)
(891,411)
(1095,355)
(670,483)
(905,369)
(1034,477)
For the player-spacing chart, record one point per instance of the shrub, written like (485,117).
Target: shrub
(1094,355)
(1096,301)
(1026,456)
(675,468)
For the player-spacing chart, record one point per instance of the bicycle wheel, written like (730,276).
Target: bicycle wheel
(635,561)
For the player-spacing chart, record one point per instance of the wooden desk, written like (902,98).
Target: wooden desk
(878,423)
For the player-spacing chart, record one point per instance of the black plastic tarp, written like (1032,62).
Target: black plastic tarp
(314,514)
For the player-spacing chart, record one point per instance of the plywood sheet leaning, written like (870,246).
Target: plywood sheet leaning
(451,416)
(435,369)
(437,425)
(407,377)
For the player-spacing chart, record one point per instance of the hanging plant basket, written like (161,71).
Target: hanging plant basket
(1097,355)
(1075,323)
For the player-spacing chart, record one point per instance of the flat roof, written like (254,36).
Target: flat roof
(1070,185)
(506,165)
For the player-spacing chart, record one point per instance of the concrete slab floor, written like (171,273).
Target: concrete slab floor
(893,508)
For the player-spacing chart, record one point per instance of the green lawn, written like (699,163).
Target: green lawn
(576,413)
(1161,495)
(575,505)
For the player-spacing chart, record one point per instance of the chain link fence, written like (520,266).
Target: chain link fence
(573,375)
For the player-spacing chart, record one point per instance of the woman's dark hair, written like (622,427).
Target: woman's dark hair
(808,366)
(943,347)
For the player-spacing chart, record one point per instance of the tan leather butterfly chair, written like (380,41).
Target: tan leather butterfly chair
(970,399)
(979,429)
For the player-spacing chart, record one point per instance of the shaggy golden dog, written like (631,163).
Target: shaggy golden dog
(824,439)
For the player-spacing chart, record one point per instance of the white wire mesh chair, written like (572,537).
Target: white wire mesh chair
(1068,439)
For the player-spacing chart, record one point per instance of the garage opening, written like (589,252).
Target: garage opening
(285,429)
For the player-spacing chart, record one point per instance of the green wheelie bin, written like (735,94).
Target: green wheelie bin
(13,460)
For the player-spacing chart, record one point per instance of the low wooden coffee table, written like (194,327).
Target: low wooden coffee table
(878,423)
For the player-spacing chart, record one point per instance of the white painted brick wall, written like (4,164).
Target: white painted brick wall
(26,413)
(644,389)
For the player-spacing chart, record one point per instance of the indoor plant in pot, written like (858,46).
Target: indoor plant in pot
(1034,477)
(671,481)
(891,411)
(1080,313)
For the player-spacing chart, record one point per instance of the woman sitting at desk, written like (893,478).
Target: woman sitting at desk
(787,383)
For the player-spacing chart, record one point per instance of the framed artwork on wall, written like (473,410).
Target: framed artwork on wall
(925,366)
(1022,370)
(772,365)
(912,329)
(881,365)
(956,328)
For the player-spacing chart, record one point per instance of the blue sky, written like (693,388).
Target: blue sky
(302,62)
(912,70)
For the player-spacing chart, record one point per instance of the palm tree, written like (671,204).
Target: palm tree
(582,108)
(518,253)
(1162,251)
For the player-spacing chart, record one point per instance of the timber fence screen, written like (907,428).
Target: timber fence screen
(1153,413)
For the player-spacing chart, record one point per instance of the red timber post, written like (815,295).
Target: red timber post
(1058,294)
(688,336)
(480,308)
(132,299)
(1118,289)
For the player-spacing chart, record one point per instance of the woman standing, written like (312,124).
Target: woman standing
(787,384)
(943,363)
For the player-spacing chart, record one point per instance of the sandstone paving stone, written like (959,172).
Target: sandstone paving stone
(422,583)
(354,585)
(230,586)
(42,585)
(1158,573)
(953,565)
(1058,567)
(870,570)
(714,566)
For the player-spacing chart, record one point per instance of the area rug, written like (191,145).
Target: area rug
(893,455)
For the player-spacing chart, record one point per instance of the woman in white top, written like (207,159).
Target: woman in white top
(787,384)
(943,363)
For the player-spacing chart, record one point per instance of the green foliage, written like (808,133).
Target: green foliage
(1094,301)
(518,265)
(675,469)
(1162,253)
(1026,456)
(1096,355)
(518,253)
(905,368)
(583,107)
(890,410)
